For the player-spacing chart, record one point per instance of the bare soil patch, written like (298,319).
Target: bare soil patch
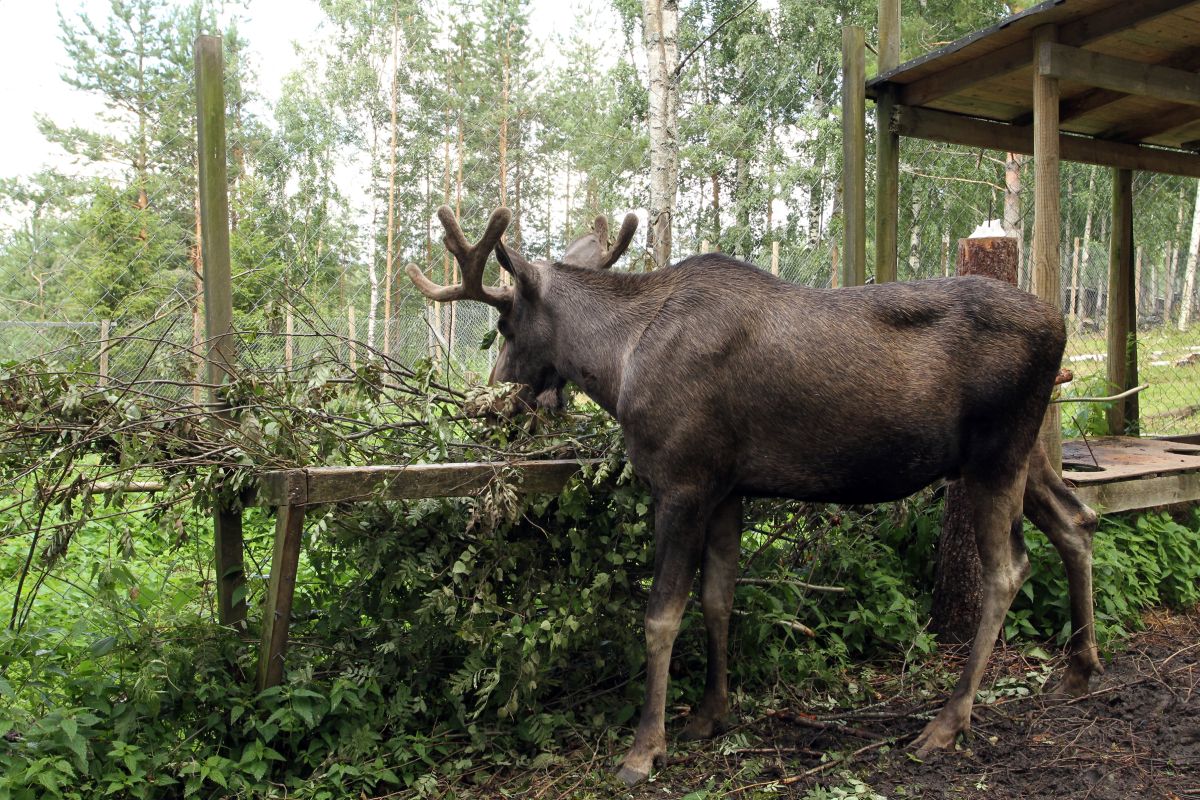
(1136,735)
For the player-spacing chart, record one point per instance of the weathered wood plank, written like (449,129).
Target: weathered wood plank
(1108,459)
(887,188)
(317,485)
(1118,74)
(284,487)
(1131,495)
(940,126)
(289,525)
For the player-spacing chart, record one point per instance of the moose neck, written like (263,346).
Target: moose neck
(599,319)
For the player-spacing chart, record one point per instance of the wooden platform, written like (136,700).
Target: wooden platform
(1120,473)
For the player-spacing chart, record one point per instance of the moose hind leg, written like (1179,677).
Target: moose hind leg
(679,539)
(718,578)
(1069,525)
(996,512)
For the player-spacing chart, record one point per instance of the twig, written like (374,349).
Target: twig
(812,587)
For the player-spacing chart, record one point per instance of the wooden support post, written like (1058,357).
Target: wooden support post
(105,327)
(887,147)
(218,302)
(704,245)
(1122,311)
(289,525)
(854,156)
(775,258)
(1047,281)
(289,330)
(958,581)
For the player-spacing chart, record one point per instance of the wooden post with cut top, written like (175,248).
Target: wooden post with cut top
(218,305)
(958,581)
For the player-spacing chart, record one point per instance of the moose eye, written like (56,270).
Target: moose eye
(504,328)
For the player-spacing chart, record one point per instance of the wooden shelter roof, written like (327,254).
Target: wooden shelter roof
(1127,70)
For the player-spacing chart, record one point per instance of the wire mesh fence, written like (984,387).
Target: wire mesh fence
(334,182)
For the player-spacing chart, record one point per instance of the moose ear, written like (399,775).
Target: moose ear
(526,274)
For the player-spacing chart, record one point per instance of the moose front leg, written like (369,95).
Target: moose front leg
(718,578)
(679,524)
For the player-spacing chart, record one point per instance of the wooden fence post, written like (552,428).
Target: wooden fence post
(958,581)
(289,329)
(218,304)
(104,331)
(1122,311)
(775,258)
(887,147)
(854,156)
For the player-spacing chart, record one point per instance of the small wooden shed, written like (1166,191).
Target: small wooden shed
(1108,82)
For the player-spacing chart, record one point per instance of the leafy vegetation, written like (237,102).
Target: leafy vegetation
(436,642)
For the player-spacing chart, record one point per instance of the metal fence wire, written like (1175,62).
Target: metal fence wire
(333,190)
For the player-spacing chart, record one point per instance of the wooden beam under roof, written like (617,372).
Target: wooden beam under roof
(1149,127)
(1019,54)
(925,123)
(1118,74)
(1084,103)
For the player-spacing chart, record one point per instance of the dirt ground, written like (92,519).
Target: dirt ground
(1136,735)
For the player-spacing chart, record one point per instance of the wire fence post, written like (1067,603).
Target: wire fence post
(289,329)
(218,306)
(104,331)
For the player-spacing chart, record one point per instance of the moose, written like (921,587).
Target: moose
(729,383)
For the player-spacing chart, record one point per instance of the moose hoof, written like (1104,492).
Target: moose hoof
(934,738)
(632,777)
(702,727)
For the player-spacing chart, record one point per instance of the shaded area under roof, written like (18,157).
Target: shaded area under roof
(1130,95)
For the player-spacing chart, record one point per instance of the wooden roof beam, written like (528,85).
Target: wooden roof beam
(924,123)
(1118,74)
(1153,126)
(1019,54)
(1084,103)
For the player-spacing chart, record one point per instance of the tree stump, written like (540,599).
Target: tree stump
(958,582)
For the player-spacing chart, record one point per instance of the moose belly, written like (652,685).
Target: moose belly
(850,469)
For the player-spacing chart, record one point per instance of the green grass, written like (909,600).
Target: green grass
(1170,406)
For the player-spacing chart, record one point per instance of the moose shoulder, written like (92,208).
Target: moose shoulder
(729,382)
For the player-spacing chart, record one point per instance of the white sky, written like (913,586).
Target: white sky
(32,61)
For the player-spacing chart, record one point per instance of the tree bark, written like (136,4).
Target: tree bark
(1189,276)
(661,24)
(958,582)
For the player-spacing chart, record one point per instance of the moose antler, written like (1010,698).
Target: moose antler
(592,250)
(471,260)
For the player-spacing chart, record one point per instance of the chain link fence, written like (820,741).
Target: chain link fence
(333,190)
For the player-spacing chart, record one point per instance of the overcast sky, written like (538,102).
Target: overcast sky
(32,61)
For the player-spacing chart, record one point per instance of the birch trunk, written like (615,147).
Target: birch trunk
(1189,276)
(661,23)
(1012,210)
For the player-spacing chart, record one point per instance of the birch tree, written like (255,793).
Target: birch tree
(661,25)
(1189,275)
